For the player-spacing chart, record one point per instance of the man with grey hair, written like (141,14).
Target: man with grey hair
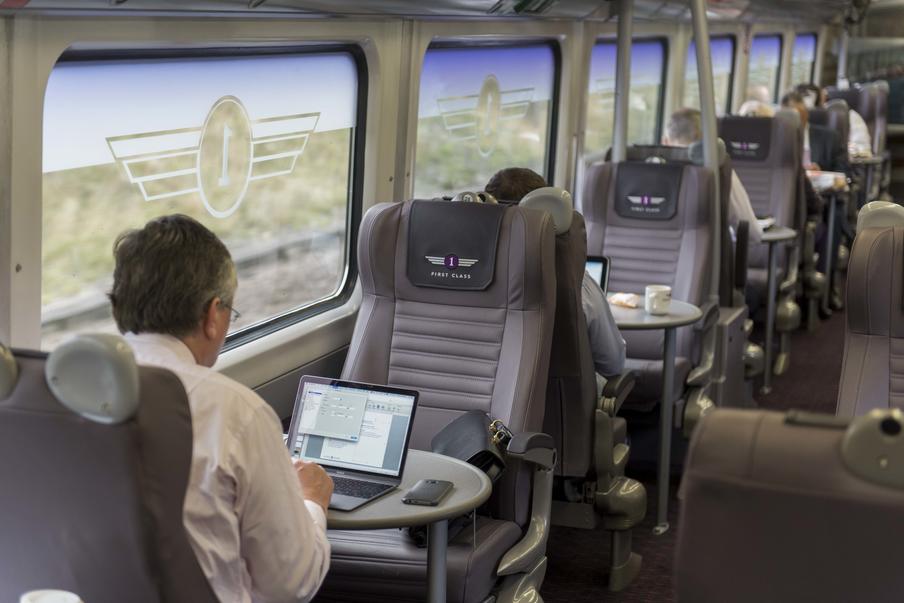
(257,524)
(684,128)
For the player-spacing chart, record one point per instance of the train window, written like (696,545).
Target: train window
(763,68)
(482,109)
(648,59)
(803,59)
(258,147)
(723,52)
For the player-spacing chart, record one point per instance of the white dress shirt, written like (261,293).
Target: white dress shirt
(255,536)
(606,343)
(859,140)
(739,209)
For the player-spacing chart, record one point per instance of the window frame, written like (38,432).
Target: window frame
(355,200)
(733,38)
(777,84)
(553,127)
(815,37)
(663,77)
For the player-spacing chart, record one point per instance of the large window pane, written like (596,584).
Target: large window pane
(257,147)
(722,49)
(803,59)
(482,109)
(644,101)
(763,71)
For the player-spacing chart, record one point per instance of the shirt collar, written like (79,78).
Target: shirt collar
(162,344)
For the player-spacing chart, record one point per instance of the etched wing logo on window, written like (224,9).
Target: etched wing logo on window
(217,160)
(450,261)
(477,116)
(646,200)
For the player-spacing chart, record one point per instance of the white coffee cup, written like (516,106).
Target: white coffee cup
(657,299)
(50,596)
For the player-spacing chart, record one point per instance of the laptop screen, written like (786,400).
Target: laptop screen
(351,426)
(598,268)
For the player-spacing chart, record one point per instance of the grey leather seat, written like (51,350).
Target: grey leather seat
(870,100)
(92,498)
(467,335)
(590,438)
(872,374)
(766,154)
(792,507)
(654,221)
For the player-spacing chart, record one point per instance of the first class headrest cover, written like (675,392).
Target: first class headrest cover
(648,191)
(453,245)
(746,138)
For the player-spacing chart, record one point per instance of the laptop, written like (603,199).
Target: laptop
(357,432)
(598,268)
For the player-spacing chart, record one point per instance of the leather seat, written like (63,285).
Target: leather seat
(792,507)
(94,483)
(766,154)
(668,242)
(459,303)
(872,373)
(590,438)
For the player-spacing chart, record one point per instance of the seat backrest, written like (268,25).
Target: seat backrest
(94,506)
(838,118)
(766,154)
(871,102)
(654,220)
(792,507)
(571,395)
(459,302)
(872,374)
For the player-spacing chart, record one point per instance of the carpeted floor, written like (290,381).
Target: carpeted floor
(578,558)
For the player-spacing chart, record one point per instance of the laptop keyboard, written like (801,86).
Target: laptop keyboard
(357,488)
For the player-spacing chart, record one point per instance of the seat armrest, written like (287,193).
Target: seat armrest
(702,373)
(710,317)
(616,391)
(533,447)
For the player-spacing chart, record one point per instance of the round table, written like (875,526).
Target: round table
(471,489)
(636,319)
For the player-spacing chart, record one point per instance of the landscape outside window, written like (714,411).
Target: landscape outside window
(644,100)
(257,148)
(482,109)
(722,53)
(802,58)
(762,73)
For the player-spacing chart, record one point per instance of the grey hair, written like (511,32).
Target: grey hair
(684,127)
(166,275)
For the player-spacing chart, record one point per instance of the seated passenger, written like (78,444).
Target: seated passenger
(823,149)
(755,108)
(256,524)
(684,127)
(606,343)
(859,141)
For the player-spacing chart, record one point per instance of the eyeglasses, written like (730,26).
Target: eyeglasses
(235,313)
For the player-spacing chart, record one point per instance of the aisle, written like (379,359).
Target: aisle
(577,558)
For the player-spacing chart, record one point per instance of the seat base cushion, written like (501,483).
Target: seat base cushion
(385,565)
(647,391)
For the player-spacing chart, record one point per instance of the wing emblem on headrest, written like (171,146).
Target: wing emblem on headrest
(450,261)
(745,146)
(646,200)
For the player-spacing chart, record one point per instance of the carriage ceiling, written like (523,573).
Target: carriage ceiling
(747,10)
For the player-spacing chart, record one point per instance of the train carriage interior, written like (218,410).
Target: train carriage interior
(549,300)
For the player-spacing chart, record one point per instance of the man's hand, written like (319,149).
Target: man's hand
(813,167)
(315,483)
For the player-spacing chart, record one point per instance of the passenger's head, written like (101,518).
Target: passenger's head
(793,100)
(755,108)
(760,93)
(813,95)
(174,277)
(684,127)
(511,184)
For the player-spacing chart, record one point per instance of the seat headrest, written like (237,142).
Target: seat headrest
(95,376)
(878,214)
(554,200)
(695,151)
(873,447)
(9,372)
